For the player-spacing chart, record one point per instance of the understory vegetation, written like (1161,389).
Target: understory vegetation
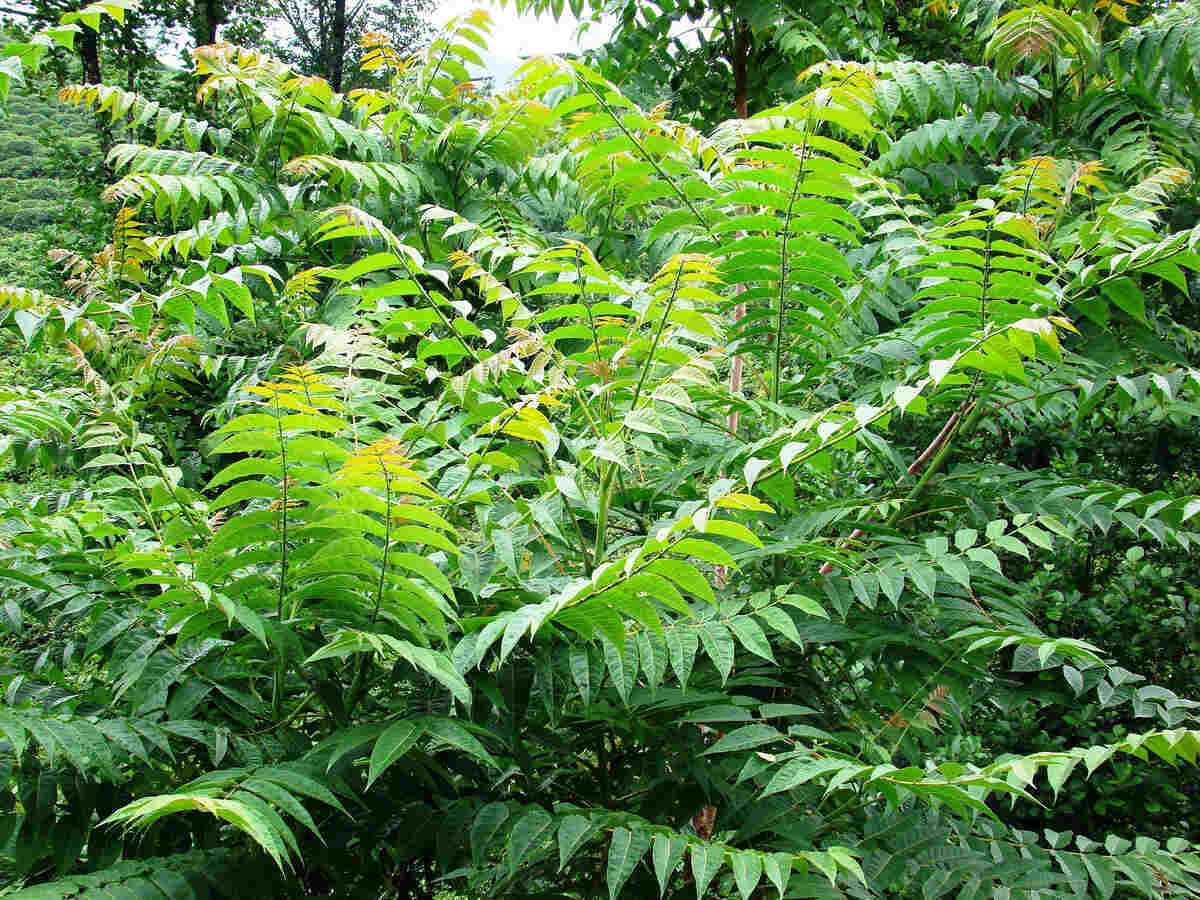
(430,492)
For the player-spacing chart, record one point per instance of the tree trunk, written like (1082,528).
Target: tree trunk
(337,62)
(741,67)
(89,55)
(206,19)
(131,57)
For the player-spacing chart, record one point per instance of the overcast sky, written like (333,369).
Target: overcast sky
(514,36)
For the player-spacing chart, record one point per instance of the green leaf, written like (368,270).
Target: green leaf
(1139,873)
(796,772)
(849,863)
(705,550)
(598,617)
(685,575)
(718,644)
(668,851)
(751,636)
(730,529)
(255,817)
(682,644)
(457,736)
(652,654)
(745,738)
(778,868)
(622,667)
(573,833)
(251,816)
(626,849)
(581,670)
(635,605)
(956,569)
(706,863)
(986,557)
(825,862)
(488,822)
(747,870)
(299,783)
(527,835)
(1103,876)
(30,580)
(613,450)
(273,793)
(805,604)
(779,710)
(782,622)
(1125,294)
(439,667)
(344,742)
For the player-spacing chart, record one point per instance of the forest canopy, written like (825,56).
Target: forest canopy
(754,459)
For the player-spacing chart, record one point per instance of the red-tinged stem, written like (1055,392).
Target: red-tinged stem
(917,465)
(735,371)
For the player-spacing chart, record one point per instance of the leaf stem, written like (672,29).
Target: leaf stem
(606,480)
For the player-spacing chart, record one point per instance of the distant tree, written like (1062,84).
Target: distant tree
(731,58)
(726,58)
(326,32)
(207,17)
(38,13)
(133,42)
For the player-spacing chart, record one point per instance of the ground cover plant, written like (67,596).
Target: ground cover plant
(533,495)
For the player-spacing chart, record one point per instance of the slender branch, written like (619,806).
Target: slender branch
(936,444)
(645,154)
(387,539)
(777,367)
(735,370)
(359,686)
(662,326)
(917,465)
(283,522)
(602,512)
(606,481)
(967,426)
(277,700)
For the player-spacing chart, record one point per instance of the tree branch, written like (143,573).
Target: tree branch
(917,464)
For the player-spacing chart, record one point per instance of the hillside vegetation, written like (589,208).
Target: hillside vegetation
(38,139)
(532,495)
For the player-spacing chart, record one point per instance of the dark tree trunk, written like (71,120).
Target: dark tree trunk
(89,55)
(337,60)
(206,19)
(741,65)
(88,46)
(129,44)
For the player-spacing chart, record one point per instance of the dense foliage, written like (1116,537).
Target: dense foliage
(416,540)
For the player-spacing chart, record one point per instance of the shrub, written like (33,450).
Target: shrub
(486,575)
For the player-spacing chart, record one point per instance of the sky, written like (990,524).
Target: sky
(515,36)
